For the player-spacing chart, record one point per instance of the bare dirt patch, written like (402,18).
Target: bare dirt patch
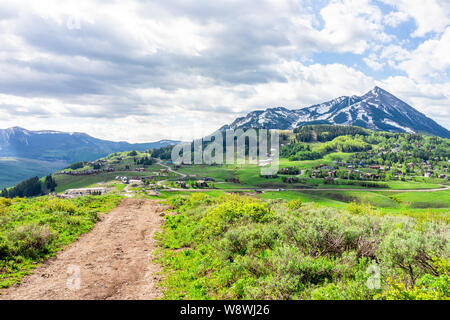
(115,260)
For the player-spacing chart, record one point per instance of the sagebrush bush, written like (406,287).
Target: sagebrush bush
(412,251)
(4,205)
(30,240)
(59,205)
(294,204)
(244,248)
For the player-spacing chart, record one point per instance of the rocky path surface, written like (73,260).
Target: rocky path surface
(112,262)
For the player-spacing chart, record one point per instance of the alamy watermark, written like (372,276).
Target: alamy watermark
(73,278)
(254,146)
(374,281)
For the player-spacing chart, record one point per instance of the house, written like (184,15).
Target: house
(332,173)
(201,184)
(290,180)
(209,179)
(140,169)
(329,180)
(316,173)
(181,184)
(153,193)
(75,193)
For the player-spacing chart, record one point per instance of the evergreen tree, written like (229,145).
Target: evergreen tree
(50,183)
(4,193)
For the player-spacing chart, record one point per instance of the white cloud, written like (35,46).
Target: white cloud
(174,69)
(430,60)
(372,62)
(350,25)
(395,18)
(430,15)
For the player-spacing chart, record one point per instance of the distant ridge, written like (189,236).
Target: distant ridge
(376,110)
(50,145)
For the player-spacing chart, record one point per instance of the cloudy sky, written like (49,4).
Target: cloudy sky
(140,70)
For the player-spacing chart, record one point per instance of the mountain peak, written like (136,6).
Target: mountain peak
(376,110)
(377,91)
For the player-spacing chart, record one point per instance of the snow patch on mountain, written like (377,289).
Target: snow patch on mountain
(394,124)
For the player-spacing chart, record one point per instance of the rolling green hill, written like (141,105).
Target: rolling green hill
(54,150)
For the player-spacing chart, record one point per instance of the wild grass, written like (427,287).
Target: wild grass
(235,247)
(32,230)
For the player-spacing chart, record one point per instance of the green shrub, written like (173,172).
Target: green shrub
(237,247)
(428,287)
(30,240)
(294,204)
(232,209)
(411,251)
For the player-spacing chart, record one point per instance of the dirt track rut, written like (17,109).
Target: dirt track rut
(114,260)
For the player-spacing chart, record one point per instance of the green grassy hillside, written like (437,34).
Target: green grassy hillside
(235,247)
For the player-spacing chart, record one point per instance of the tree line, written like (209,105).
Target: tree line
(30,188)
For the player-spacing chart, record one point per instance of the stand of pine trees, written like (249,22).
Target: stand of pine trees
(30,188)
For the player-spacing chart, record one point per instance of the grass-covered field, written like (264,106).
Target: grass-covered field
(235,247)
(32,230)
(72,182)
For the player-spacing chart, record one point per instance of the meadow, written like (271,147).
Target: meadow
(239,247)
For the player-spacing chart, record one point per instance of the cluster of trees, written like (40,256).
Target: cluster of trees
(290,171)
(345,144)
(30,188)
(164,153)
(395,149)
(324,133)
(76,165)
(299,152)
(145,161)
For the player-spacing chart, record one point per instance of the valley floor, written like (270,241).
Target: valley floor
(111,266)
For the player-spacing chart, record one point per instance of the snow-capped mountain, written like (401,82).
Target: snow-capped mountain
(377,110)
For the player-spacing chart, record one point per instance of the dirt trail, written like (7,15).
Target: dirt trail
(114,259)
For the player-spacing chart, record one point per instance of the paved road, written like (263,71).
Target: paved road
(308,190)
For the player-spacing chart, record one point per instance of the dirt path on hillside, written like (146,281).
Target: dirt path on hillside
(114,260)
